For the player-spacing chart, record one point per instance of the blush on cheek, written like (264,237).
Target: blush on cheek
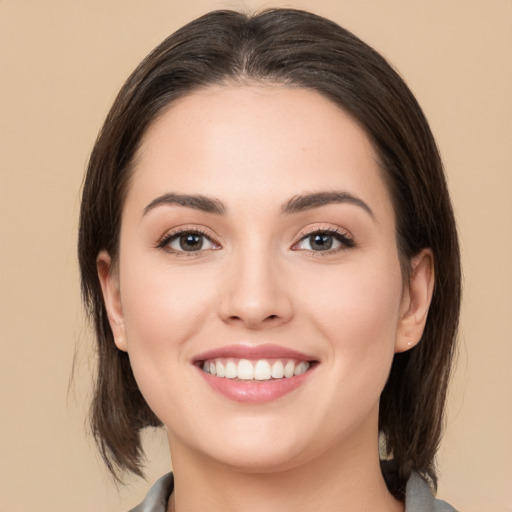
(164,304)
(359,307)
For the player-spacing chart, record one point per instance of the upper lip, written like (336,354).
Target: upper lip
(248,351)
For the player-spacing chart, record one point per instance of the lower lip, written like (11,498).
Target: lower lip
(252,391)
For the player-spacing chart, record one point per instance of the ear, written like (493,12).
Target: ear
(109,281)
(416,300)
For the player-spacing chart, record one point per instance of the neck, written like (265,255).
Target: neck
(347,479)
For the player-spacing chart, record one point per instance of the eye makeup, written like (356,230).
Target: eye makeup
(192,240)
(324,240)
(187,241)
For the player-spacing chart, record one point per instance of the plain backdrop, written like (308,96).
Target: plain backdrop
(61,65)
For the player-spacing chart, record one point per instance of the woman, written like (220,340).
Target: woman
(269,256)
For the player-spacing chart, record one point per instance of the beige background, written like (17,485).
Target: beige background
(61,65)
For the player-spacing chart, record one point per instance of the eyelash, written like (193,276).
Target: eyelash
(164,242)
(341,236)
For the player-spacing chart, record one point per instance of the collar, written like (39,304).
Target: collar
(418,496)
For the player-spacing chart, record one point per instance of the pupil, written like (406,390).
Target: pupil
(191,242)
(321,242)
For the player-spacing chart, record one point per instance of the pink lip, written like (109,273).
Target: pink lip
(254,392)
(253,352)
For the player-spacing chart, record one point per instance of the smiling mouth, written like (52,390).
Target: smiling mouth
(261,370)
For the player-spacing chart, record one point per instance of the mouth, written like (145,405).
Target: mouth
(254,374)
(261,370)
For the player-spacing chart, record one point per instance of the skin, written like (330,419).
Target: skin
(254,148)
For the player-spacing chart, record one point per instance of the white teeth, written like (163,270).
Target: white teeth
(300,368)
(231,370)
(278,370)
(289,369)
(221,372)
(245,370)
(261,370)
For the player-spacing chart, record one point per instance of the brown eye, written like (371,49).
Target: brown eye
(320,242)
(325,241)
(189,242)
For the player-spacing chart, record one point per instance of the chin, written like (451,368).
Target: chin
(265,447)
(258,460)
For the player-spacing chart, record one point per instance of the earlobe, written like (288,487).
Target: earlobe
(109,281)
(416,301)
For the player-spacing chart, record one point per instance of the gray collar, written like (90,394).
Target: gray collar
(418,497)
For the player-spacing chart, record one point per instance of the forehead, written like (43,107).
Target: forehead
(264,141)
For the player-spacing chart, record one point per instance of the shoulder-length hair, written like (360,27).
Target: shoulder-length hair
(297,49)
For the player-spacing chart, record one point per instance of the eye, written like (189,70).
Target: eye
(324,240)
(187,241)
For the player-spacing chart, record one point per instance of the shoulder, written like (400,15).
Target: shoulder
(158,496)
(419,497)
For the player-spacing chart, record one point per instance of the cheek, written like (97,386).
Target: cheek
(158,297)
(356,313)
(357,309)
(164,309)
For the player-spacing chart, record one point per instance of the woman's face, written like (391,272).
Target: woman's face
(258,242)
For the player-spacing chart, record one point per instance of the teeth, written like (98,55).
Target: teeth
(221,371)
(245,370)
(278,370)
(262,370)
(255,370)
(289,369)
(231,370)
(300,368)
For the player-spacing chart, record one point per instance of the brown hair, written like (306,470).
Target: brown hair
(299,49)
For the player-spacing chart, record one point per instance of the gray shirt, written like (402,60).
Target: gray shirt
(418,497)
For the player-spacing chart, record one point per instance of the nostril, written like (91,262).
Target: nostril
(255,314)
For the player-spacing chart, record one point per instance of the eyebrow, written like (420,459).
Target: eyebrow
(296,204)
(197,202)
(302,202)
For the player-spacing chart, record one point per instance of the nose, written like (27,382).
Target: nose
(256,295)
